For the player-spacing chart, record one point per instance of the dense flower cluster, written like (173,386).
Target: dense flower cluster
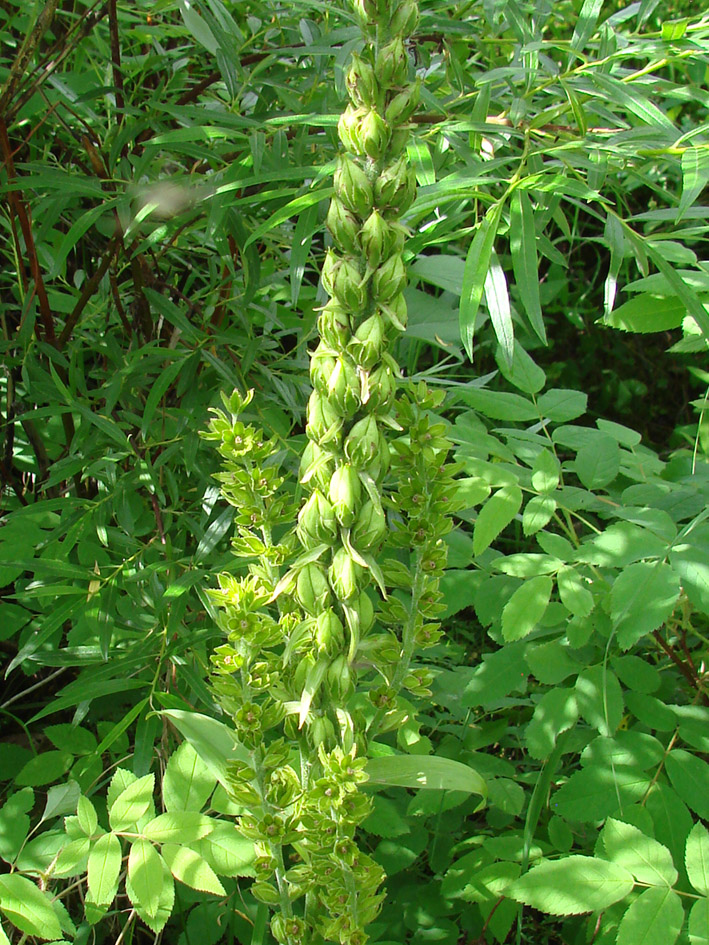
(298,637)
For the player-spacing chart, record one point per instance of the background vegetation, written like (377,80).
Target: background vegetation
(166,170)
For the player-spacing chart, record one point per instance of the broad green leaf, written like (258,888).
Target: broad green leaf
(537,513)
(495,515)
(592,794)
(28,908)
(132,803)
(187,783)
(104,868)
(629,748)
(647,313)
(562,405)
(191,869)
(4,940)
(690,561)
(86,814)
(654,918)
(649,861)
(698,926)
(622,543)
(526,607)
(545,471)
(44,768)
(227,851)
(642,598)
(671,819)
(157,879)
(496,675)
(213,741)
(635,673)
(72,858)
(690,779)
(551,662)
(145,872)
(600,699)
(555,712)
(597,463)
(183,826)
(572,885)
(71,738)
(425,771)
(696,858)
(476,268)
(500,405)
(498,305)
(471,491)
(525,264)
(14,823)
(523,372)
(575,596)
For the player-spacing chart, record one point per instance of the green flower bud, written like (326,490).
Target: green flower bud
(378,467)
(373,238)
(343,226)
(322,364)
(395,188)
(352,186)
(312,589)
(349,127)
(381,386)
(316,522)
(321,732)
(344,387)
(362,443)
(361,82)
(403,105)
(373,135)
(392,63)
(339,678)
(368,342)
(365,609)
(389,280)
(329,633)
(370,528)
(344,494)
(405,18)
(395,312)
(324,422)
(316,465)
(341,279)
(334,326)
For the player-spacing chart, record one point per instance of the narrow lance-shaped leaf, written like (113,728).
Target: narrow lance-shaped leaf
(498,304)
(477,264)
(525,263)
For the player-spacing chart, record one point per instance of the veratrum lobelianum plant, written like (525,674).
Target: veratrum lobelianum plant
(308,687)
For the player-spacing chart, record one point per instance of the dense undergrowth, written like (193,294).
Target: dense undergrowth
(167,169)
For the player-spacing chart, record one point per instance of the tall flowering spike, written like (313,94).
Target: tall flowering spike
(296,634)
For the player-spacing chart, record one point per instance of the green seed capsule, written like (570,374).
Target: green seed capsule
(343,281)
(405,18)
(352,186)
(345,575)
(348,129)
(362,443)
(344,494)
(329,633)
(361,83)
(391,64)
(316,466)
(324,422)
(339,678)
(403,105)
(381,388)
(374,239)
(321,732)
(334,326)
(395,312)
(389,280)
(343,226)
(372,135)
(316,522)
(368,343)
(312,589)
(322,364)
(344,387)
(370,528)
(395,188)
(365,609)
